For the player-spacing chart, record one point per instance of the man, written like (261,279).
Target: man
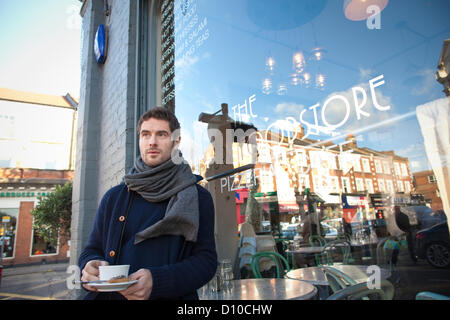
(158,220)
(402,221)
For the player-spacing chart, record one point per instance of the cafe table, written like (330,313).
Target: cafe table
(262,289)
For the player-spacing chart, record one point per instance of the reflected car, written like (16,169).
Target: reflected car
(331,233)
(433,244)
(289,231)
(422,216)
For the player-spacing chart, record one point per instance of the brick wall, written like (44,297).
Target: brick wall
(105,140)
(18,173)
(423,186)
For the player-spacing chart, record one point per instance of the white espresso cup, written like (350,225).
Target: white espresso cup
(108,272)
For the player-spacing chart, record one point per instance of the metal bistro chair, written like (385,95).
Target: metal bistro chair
(326,256)
(385,256)
(316,239)
(337,280)
(427,295)
(361,291)
(277,258)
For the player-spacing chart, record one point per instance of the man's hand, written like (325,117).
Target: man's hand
(140,290)
(91,272)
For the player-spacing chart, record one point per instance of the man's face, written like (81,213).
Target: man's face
(155,142)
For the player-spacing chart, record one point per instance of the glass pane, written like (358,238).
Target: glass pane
(8,230)
(343,103)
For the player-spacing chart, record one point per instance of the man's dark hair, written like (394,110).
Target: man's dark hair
(160,113)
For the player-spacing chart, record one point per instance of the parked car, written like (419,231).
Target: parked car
(422,216)
(290,231)
(433,244)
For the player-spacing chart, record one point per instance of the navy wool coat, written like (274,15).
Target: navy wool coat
(178,267)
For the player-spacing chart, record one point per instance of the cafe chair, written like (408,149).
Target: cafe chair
(387,252)
(278,260)
(337,280)
(334,250)
(361,291)
(317,240)
(344,236)
(427,295)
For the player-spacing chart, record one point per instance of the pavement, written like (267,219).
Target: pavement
(36,282)
(34,268)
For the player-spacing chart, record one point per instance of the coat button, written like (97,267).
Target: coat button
(112,253)
(121,218)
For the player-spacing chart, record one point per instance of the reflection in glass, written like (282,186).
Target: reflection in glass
(317,54)
(298,61)
(307,79)
(266,86)
(270,65)
(320,81)
(282,90)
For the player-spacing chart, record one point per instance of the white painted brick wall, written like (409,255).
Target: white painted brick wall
(106,114)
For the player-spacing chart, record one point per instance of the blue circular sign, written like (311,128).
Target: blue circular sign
(100,44)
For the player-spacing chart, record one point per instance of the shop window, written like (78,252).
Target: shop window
(8,230)
(41,247)
(309,80)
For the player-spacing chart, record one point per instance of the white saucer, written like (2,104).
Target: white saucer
(110,287)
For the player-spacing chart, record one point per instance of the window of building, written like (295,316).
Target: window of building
(41,247)
(400,187)
(407,187)
(404,170)
(357,163)
(305,76)
(303,181)
(397,169)
(389,186)
(366,164)
(334,183)
(378,167)
(386,167)
(346,187)
(359,184)
(369,185)
(381,185)
(432,179)
(8,230)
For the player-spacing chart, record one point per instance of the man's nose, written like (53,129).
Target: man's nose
(152,140)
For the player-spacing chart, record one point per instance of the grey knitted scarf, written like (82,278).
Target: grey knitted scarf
(167,181)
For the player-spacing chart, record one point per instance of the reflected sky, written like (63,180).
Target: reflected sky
(229,65)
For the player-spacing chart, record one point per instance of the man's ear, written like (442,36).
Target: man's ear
(176,138)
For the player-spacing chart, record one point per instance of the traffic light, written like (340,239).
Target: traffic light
(380,214)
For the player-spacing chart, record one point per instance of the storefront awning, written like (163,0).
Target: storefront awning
(288,207)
